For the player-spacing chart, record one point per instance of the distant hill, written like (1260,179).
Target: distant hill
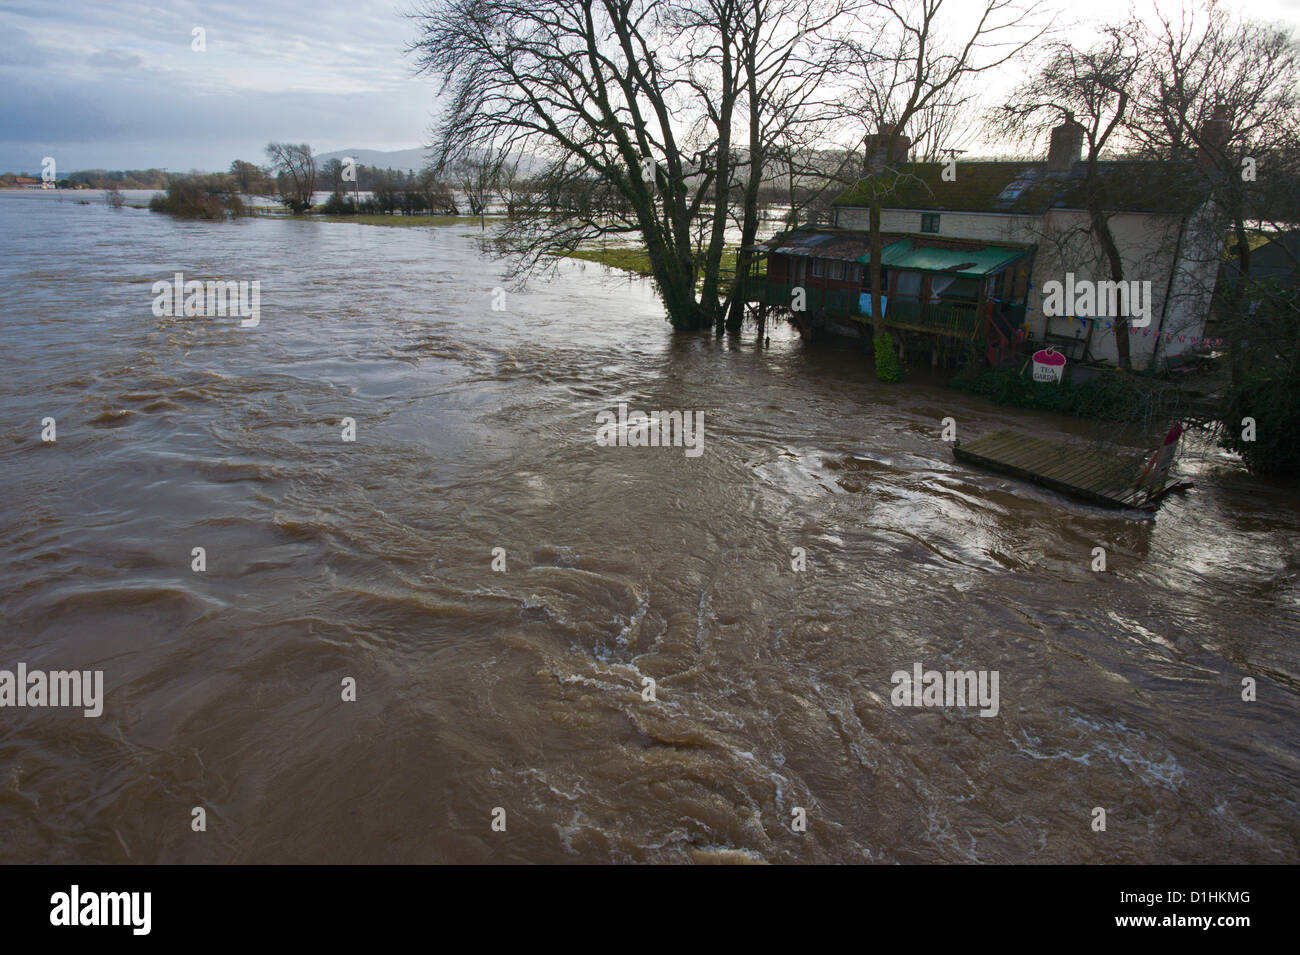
(400,159)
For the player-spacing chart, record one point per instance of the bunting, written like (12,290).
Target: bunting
(1102,323)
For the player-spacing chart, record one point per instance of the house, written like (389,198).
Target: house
(974,251)
(1277,260)
(1270,290)
(946,287)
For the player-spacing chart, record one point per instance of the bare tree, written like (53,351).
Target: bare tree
(592,90)
(478,178)
(518,192)
(332,175)
(811,175)
(907,70)
(1226,90)
(643,103)
(438,195)
(250,178)
(296,173)
(787,51)
(1092,89)
(941,129)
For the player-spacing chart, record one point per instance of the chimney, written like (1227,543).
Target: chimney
(1215,133)
(885,148)
(1066,147)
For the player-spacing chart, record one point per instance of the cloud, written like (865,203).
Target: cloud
(127,119)
(17,48)
(120,79)
(113,60)
(123,80)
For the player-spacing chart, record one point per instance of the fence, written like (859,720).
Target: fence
(958,321)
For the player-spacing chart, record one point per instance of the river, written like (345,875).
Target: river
(520,695)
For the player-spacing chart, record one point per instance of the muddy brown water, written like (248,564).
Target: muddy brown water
(523,689)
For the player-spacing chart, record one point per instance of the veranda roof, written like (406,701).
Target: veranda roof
(975,262)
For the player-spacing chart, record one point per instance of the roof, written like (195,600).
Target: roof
(1274,260)
(1029,188)
(822,243)
(924,253)
(1277,257)
(973,262)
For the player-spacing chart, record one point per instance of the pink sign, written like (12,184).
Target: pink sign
(1048,365)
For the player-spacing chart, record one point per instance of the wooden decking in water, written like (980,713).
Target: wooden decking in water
(1100,476)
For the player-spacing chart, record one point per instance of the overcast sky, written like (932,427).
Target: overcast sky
(117,85)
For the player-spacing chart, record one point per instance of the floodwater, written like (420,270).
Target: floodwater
(520,694)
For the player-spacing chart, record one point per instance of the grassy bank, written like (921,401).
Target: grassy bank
(635,258)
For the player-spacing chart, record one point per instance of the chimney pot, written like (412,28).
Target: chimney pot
(1215,133)
(886,148)
(1066,146)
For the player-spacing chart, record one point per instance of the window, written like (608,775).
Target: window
(836,270)
(954,289)
(854,273)
(930,222)
(909,286)
(1015,188)
(819,267)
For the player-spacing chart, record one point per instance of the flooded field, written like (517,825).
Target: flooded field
(524,689)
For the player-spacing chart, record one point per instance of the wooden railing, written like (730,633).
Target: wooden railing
(781,295)
(958,321)
(955,320)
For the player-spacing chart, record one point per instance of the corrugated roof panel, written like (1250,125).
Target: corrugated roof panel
(847,246)
(972,262)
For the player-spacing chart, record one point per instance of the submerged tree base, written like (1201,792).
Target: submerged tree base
(888,368)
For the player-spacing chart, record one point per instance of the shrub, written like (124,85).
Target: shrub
(1110,396)
(1273,400)
(338,205)
(198,198)
(887,366)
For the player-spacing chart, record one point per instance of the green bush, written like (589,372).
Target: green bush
(198,198)
(339,205)
(1273,400)
(1269,391)
(1109,396)
(887,366)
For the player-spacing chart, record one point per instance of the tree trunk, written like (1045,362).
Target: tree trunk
(1236,306)
(675,278)
(1101,228)
(749,225)
(877,310)
(721,192)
